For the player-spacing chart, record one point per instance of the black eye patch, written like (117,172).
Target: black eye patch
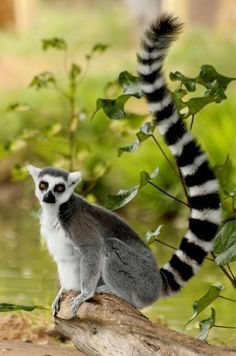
(43,185)
(59,188)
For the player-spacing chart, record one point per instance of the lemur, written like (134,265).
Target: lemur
(98,252)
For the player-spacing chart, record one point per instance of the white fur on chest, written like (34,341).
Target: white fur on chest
(62,250)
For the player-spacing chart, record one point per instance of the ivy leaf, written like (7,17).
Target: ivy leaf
(206,325)
(130,84)
(227,257)
(146,130)
(201,304)
(6,307)
(123,197)
(57,43)
(151,236)
(146,178)
(189,83)
(197,104)
(226,237)
(97,49)
(43,80)
(208,74)
(19,107)
(224,172)
(113,108)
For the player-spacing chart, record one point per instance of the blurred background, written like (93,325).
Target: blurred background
(34,129)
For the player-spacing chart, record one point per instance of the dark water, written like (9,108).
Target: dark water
(28,276)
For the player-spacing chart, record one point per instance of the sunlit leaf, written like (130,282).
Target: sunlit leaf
(122,198)
(226,237)
(206,325)
(201,304)
(55,42)
(197,104)
(130,148)
(43,80)
(146,130)
(52,130)
(224,172)
(151,236)
(227,256)
(6,307)
(130,84)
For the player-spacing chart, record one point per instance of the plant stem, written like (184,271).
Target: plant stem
(224,327)
(177,171)
(232,280)
(164,154)
(169,195)
(183,185)
(231,300)
(230,271)
(192,121)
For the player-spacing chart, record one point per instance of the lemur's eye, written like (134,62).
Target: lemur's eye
(43,185)
(59,188)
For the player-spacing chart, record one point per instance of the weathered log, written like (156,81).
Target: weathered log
(107,326)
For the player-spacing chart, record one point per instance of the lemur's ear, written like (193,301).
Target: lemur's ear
(33,171)
(74,178)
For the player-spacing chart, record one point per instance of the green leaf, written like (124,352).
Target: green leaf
(151,236)
(206,325)
(227,257)
(114,109)
(43,80)
(189,83)
(207,299)
(131,148)
(55,42)
(226,237)
(19,107)
(208,74)
(146,131)
(130,84)
(196,104)
(75,71)
(146,177)
(122,198)
(224,172)
(97,49)
(6,307)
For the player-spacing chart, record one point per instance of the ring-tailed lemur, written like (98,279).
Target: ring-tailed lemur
(95,250)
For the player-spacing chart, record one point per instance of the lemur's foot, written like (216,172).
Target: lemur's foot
(77,301)
(56,304)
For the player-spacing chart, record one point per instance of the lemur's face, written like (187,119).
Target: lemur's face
(53,186)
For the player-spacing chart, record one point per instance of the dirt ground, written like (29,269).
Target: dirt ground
(23,335)
(21,348)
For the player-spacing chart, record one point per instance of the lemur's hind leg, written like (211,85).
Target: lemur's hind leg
(129,274)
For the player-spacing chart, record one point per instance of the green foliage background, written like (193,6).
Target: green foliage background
(35,130)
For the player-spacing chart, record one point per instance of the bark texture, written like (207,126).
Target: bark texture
(108,326)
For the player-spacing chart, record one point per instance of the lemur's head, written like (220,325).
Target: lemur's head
(53,186)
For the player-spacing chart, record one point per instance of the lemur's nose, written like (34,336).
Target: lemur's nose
(49,198)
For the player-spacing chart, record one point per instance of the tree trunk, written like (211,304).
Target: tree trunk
(108,326)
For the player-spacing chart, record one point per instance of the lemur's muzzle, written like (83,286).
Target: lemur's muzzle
(49,198)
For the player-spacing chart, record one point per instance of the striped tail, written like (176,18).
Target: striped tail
(203,187)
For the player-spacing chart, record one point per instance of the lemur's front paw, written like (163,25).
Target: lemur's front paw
(76,302)
(56,304)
